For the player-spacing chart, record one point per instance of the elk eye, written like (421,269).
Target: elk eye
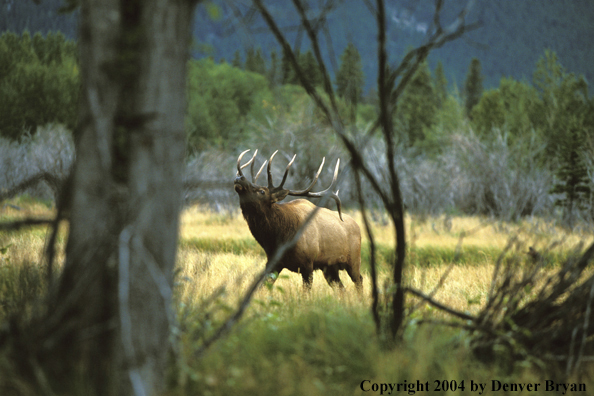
(261,192)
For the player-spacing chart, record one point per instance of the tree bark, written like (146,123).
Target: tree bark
(110,313)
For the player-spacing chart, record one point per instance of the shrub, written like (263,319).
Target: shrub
(220,97)
(39,83)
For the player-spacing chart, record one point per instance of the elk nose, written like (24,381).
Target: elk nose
(238,183)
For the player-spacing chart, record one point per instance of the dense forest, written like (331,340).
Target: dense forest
(512,35)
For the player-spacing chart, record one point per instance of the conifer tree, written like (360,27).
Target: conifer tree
(350,78)
(441,84)
(274,73)
(236,62)
(255,62)
(309,65)
(417,105)
(473,86)
(572,176)
(564,101)
(287,72)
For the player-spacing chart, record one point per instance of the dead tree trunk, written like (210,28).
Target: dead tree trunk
(110,313)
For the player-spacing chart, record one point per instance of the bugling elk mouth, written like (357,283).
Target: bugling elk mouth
(278,193)
(240,184)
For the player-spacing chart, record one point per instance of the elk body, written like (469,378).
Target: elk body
(330,242)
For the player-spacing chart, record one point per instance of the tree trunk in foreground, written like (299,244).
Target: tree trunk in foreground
(111,310)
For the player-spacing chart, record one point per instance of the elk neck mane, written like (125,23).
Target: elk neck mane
(272,225)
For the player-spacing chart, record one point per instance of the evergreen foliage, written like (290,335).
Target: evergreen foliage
(350,79)
(473,86)
(274,72)
(287,72)
(564,26)
(563,101)
(573,183)
(254,61)
(512,106)
(236,62)
(308,65)
(441,84)
(417,106)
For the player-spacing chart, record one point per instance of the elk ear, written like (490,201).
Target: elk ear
(279,195)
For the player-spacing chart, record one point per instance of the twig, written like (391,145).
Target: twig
(53,181)
(30,222)
(372,260)
(440,306)
(585,329)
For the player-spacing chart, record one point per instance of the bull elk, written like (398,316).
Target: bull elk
(330,242)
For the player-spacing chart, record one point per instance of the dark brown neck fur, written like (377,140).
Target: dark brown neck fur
(271,226)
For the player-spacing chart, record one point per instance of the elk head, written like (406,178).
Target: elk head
(262,197)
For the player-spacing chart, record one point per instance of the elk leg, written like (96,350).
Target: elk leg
(272,276)
(356,277)
(307,279)
(332,277)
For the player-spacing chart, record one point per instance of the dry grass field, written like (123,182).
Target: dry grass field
(323,342)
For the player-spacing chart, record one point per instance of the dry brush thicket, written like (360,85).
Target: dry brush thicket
(470,176)
(37,165)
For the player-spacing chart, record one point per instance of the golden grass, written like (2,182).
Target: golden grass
(465,288)
(202,273)
(322,342)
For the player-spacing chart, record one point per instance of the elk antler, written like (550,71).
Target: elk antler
(302,193)
(320,194)
(252,162)
(269,170)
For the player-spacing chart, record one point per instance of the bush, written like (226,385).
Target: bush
(39,83)
(220,97)
(512,107)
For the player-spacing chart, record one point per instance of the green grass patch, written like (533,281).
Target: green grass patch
(236,246)
(20,287)
(428,256)
(312,349)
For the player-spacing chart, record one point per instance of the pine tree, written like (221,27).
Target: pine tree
(564,100)
(236,62)
(255,62)
(310,68)
(417,105)
(287,72)
(473,86)
(441,84)
(274,73)
(350,78)
(573,182)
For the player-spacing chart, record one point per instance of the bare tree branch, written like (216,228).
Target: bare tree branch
(372,259)
(53,181)
(18,224)
(314,42)
(439,305)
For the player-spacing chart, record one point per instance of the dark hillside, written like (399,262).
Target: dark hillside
(513,36)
